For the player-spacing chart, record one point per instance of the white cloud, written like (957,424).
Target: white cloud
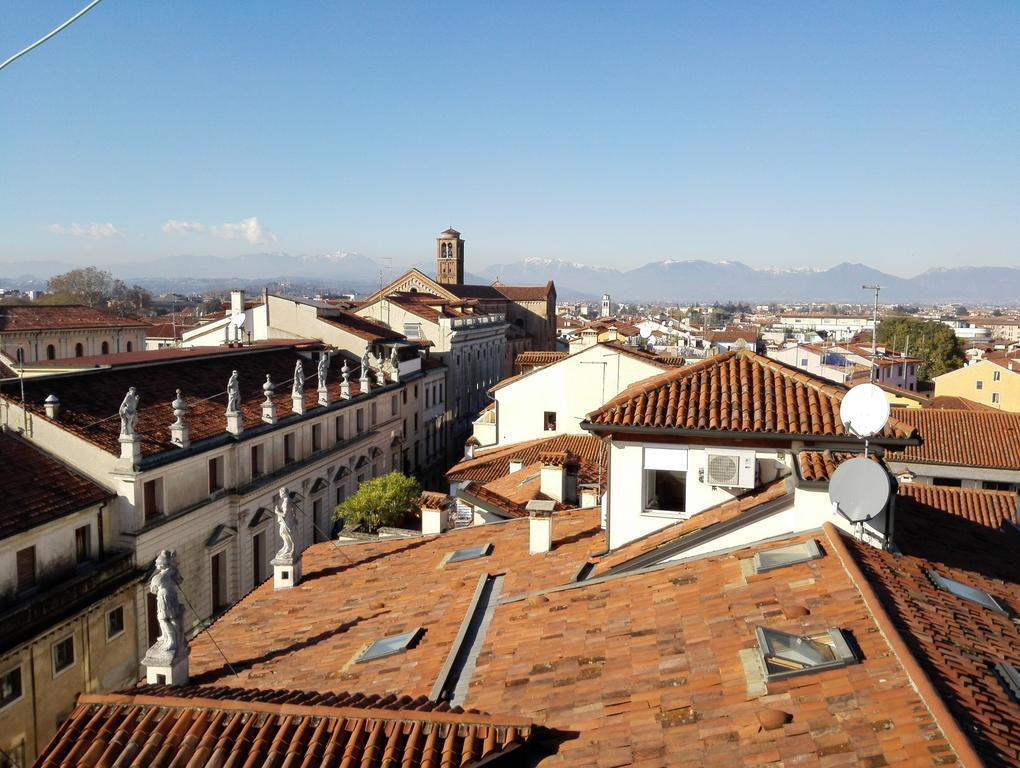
(173,225)
(250,230)
(93,231)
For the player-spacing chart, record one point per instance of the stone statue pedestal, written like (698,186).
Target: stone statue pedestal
(298,404)
(323,396)
(286,571)
(345,390)
(166,667)
(235,425)
(179,435)
(380,378)
(130,451)
(366,385)
(269,413)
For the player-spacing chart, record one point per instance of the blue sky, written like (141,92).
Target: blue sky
(605,133)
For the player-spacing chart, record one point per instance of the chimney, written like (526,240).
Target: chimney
(516,465)
(236,302)
(553,475)
(469,447)
(434,512)
(52,405)
(540,513)
(589,495)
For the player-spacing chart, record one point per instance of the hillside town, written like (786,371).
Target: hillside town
(622,513)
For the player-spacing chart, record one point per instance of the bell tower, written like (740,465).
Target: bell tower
(450,258)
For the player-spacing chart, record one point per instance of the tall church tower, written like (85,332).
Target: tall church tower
(605,305)
(450,258)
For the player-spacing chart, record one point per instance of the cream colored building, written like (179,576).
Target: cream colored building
(992,383)
(209,494)
(67,597)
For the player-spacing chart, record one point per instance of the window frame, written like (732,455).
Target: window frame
(959,589)
(53,655)
(410,641)
(83,544)
(123,625)
(814,553)
(842,651)
(469,553)
(21,686)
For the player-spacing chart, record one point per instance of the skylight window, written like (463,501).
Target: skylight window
(1011,677)
(470,553)
(780,557)
(391,645)
(785,655)
(960,589)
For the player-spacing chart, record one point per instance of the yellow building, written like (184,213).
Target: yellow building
(992,383)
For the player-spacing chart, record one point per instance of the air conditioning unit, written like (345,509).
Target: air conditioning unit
(730,468)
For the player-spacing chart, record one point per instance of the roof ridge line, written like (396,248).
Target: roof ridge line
(307,710)
(920,680)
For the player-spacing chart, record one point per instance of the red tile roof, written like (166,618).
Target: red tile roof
(538,358)
(37,488)
(494,463)
(737,391)
(953,403)
(992,509)
(164,728)
(526,292)
(429,307)
(41,317)
(663,363)
(818,466)
(167,330)
(89,401)
(362,327)
(964,438)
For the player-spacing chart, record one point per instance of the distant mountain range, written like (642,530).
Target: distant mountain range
(666,281)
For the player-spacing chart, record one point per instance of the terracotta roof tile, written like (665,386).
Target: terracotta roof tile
(163,728)
(434,500)
(955,641)
(38,488)
(992,509)
(953,403)
(38,317)
(818,466)
(362,327)
(737,391)
(494,463)
(526,292)
(538,358)
(964,438)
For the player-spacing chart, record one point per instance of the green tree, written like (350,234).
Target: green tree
(962,311)
(386,500)
(933,342)
(89,285)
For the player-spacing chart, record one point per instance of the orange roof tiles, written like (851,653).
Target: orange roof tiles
(737,391)
(993,509)
(538,358)
(38,488)
(526,292)
(494,463)
(818,466)
(41,317)
(988,439)
(362,327)
(166,729)
(954,403)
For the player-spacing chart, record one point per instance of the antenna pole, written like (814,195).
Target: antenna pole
(874,328)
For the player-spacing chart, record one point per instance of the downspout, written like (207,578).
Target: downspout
(605,499)
(99,524)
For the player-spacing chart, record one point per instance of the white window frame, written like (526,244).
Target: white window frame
(673,458)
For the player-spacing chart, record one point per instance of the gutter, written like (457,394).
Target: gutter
(731,434)
(918,677)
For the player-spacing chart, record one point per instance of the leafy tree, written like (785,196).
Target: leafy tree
(133,299)
(932,341)
(962,311)
(386,500)
(89,285)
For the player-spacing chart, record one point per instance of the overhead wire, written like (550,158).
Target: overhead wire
(50,34)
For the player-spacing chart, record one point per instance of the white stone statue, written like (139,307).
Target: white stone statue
(233,393)
(298,388)
(323,369)
(129,414)
(169,611)
(283,510)
(364,365)
(393,358)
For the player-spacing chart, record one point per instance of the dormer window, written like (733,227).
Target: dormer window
(960,589)
(780,557)
(784,655)
(388,646)
(1010,677)
(469,553)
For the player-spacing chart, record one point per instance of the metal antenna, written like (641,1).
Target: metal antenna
(874,327)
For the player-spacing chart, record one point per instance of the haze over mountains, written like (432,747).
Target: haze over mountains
(669,280)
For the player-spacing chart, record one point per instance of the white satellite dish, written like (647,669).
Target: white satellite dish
(859,489)
(864,410)
(237,320)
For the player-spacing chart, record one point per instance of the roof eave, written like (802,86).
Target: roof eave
(732,434)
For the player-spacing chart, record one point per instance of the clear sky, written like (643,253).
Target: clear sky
(794,134)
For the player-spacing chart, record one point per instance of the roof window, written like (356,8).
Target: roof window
(1010,676)
(470,553)
(785,655)
(780,557)
(391,645)
(960,589)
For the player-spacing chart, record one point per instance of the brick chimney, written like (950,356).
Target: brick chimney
(540,512)
(435,514)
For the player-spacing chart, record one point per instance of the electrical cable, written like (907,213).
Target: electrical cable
(50,34)
(208,632)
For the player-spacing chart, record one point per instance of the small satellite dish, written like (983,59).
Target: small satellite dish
(864,410)
(859,489)
(237,320)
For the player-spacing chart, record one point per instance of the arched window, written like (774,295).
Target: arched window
(51,352)
(106,347)
(129,346)
(79,350)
